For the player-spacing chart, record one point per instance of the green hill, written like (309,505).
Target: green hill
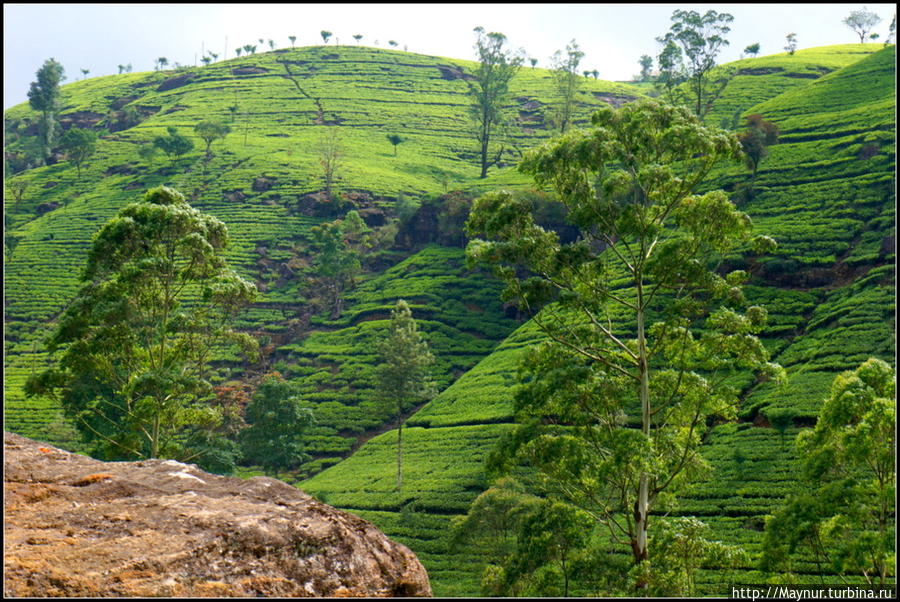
(825,193)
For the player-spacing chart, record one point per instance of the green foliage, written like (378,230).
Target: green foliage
(861,22)
(700,38)
(755,140)
(489,90)
(79,144)
(628,185)
(134,368)
(395,139)
(646,63)
(752,49)
(565,76)
(404,365)
(44,96)
(336,264)
(791,43)
(845,514)
(174,143)
(210,131)
(277,420)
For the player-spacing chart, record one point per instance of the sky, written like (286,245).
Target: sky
(99,37)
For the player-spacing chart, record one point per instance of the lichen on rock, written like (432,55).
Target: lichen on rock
(75,526)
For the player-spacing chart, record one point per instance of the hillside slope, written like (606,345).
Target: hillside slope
(265,182)
(826,194)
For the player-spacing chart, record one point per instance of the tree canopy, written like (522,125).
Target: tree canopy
(861,21)
(277,420)
(490,92)
(641,329)
(844,512)
(700,38)
(137,339)
(404,370)
(44,96)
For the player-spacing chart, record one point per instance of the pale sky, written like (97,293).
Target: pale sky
(99,37)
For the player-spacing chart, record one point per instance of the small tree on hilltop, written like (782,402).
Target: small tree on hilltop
(44,96)
(325,35)
(292,39)
(701,39)
(403,371)
(357,37)
(791,46)
(79,144)
(752,49)
(565,70)
(646,63)
(277,419)
(489,90)
(861,22)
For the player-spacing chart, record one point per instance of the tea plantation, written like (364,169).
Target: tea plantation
(826,193)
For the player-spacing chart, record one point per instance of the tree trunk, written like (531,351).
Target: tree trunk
(642,505)
(399,451)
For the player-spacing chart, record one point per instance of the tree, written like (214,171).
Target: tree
(162,62)
(700,38)
(395,139)
(565,76)
(17,187)
(292,39)
(84,73)
(861,22)
(133,373)
(206,60)
(357,37)
(147,152)
(404,364)
(892,31)
(752,49)
(490,91)
(238,51)
(648,250)
(277,419)
(44,96)
(755,141)
(791,45)
(646,63)
(533,62)
(79,144)
(392,43)
(596,74)
(271,44)
(325,35)
(335,266)
(174,144)
(671,69)
(209,131)
(121,69)
(331,153)
(781,420)
(845,511)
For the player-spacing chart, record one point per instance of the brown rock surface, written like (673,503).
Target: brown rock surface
(75,526)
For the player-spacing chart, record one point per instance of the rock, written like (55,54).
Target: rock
(263,183)
(75,526)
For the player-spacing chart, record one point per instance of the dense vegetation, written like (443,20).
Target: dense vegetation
(825,192)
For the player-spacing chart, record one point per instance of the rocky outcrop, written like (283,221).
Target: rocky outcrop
(75,526)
